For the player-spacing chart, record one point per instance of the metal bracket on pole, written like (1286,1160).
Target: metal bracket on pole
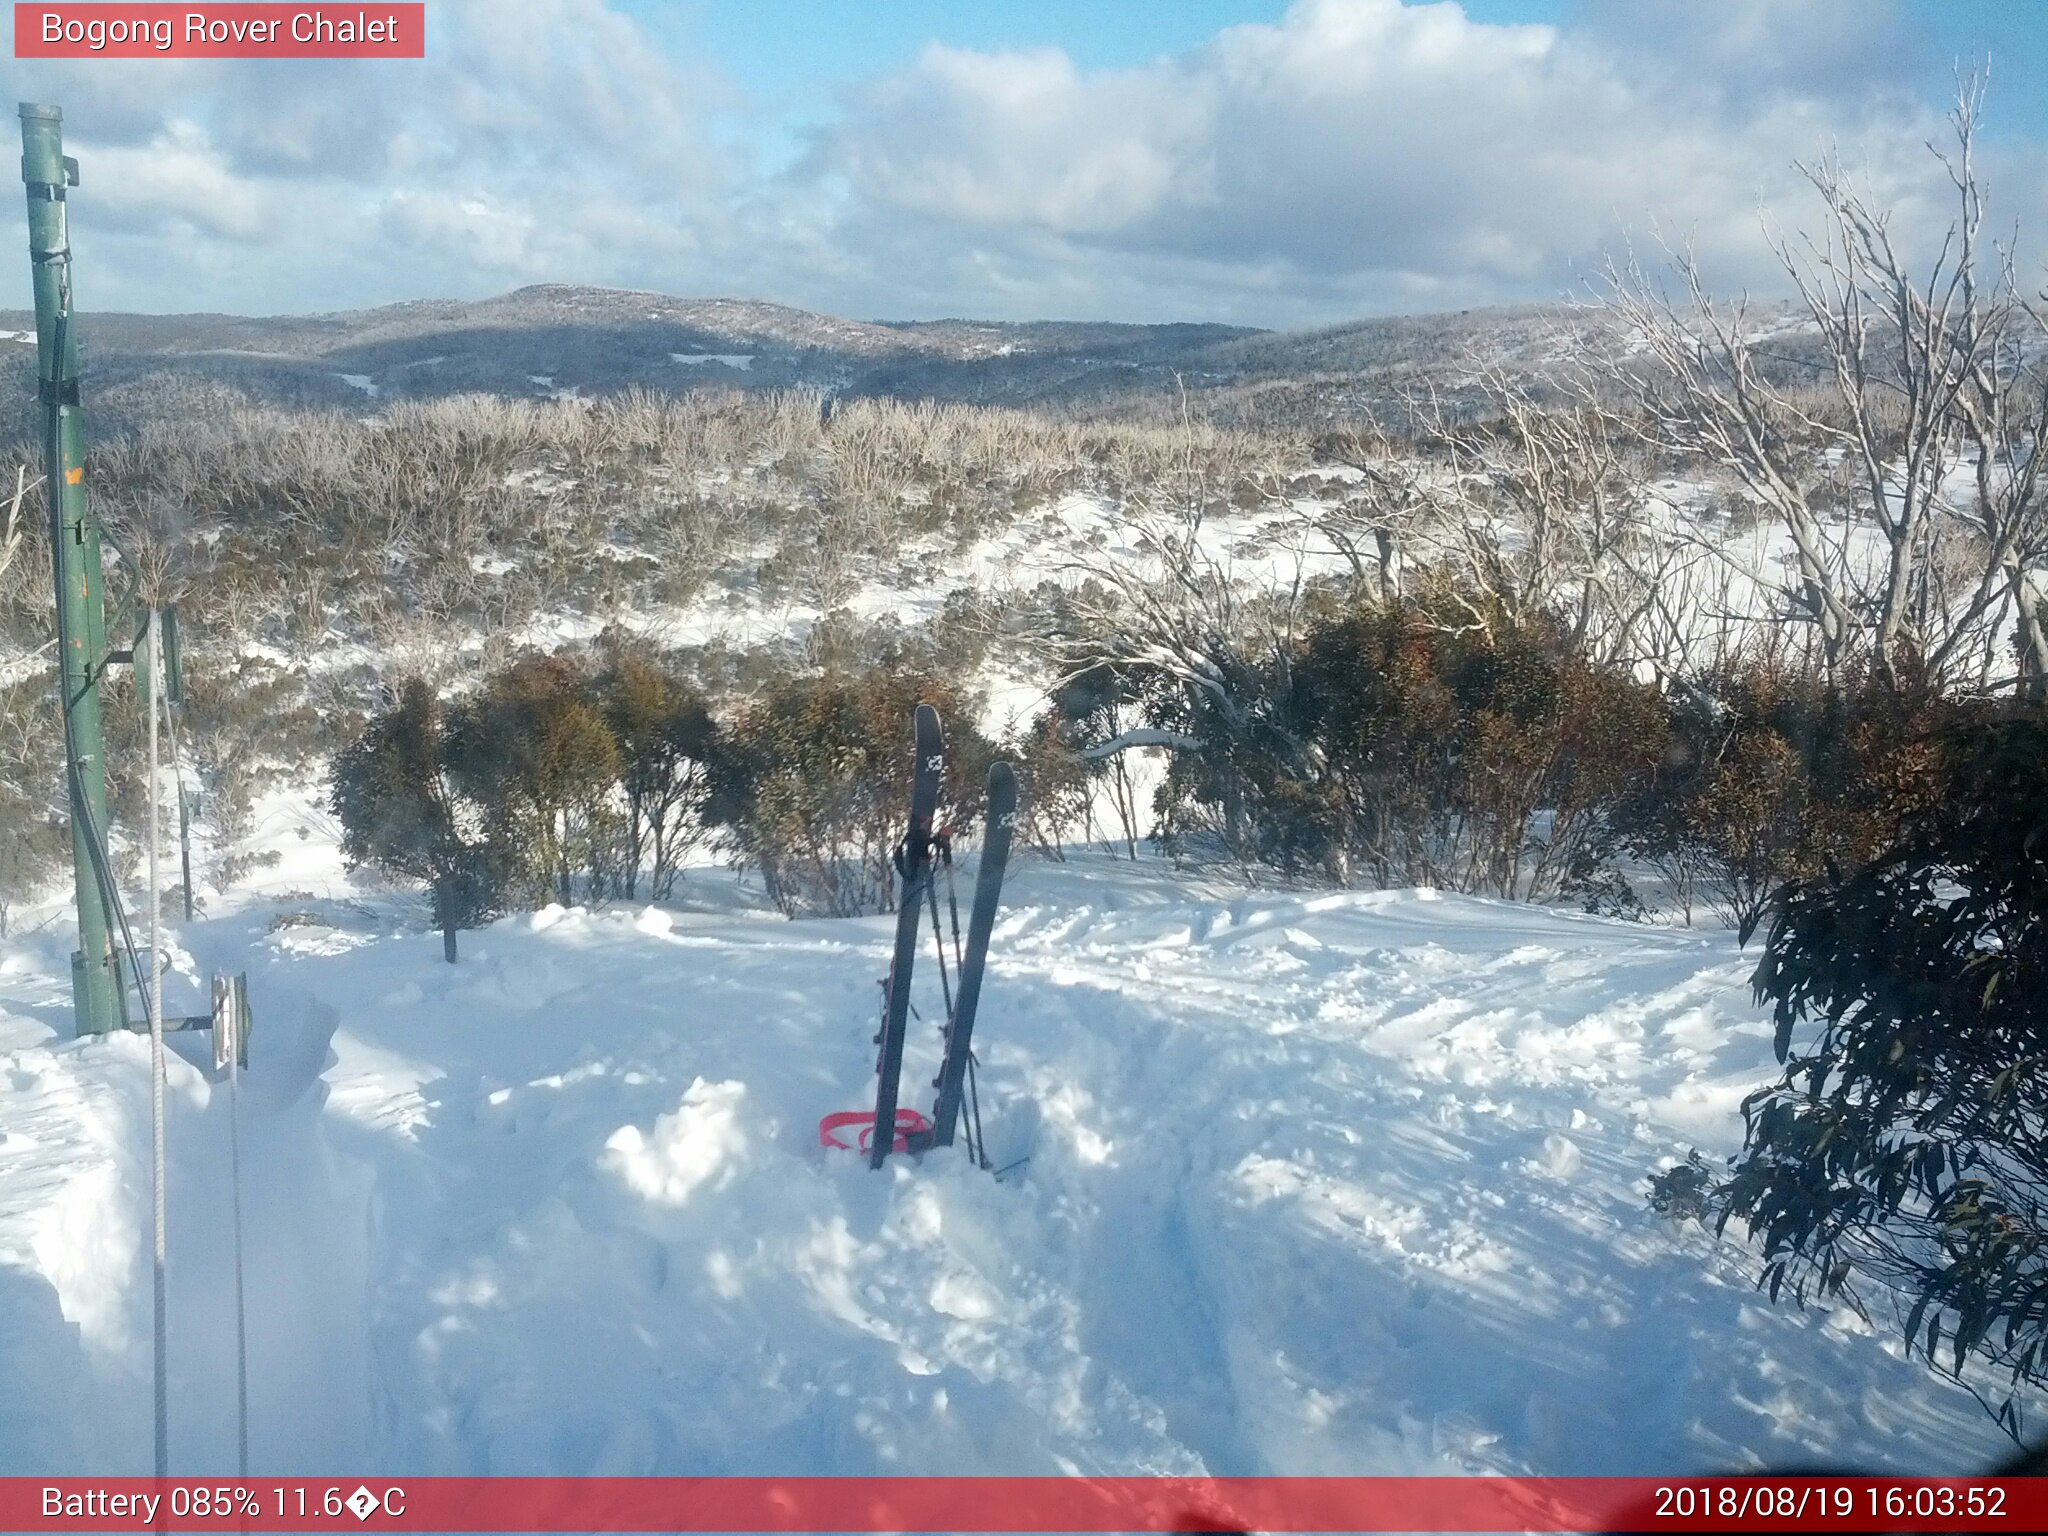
(230,1022)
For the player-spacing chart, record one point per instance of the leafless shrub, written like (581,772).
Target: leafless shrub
(1919,373)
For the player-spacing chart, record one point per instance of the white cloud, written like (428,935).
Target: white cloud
(175,185)
(1359,150)
(545,139)
(1024,138)
(1354,156)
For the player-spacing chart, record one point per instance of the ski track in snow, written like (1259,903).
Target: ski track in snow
(1339,1183)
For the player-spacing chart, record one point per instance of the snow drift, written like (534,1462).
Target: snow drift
(1327,1183)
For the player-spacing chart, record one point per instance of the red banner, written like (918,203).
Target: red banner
(1001,1504)
(215,31)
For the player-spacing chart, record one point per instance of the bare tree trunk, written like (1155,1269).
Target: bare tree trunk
(2031,626)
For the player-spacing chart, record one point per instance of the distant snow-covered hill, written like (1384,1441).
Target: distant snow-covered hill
(596,340)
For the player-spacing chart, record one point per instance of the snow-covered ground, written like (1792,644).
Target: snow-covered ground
(1303,1183)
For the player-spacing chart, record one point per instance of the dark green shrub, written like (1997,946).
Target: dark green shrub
(1054,783)
(1769,775)
(1386,745)
(1904,1144)
(400,811)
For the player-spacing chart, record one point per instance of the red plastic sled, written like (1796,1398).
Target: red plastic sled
(909,1122)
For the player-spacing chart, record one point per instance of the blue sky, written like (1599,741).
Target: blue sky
(1276,162)
(785,47)
(793,56)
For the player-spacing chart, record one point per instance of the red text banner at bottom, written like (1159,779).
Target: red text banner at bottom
(993,1504)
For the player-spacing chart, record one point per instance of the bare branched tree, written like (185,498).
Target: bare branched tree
(1159,594)
(1545,514)
(1900,466)
(1385,509)
(1160,602)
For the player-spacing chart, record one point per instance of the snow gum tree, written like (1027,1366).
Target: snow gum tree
(665,734)
(401,812)
(535,753)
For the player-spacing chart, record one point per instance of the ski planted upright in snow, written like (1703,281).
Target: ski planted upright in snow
(988,887)
(914,872)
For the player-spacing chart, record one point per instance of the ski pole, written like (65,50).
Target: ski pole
(952,902)
(979,1149)
(939,944)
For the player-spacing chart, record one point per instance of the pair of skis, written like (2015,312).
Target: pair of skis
(915,863)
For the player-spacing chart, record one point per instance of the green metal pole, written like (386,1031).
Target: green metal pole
(96,988)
